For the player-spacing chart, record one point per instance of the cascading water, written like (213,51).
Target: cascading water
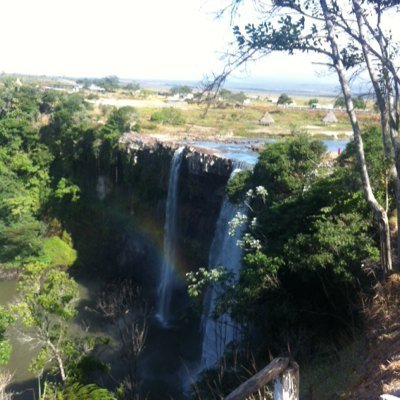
(167,279)
(224,251)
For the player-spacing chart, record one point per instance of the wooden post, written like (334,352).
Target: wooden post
(260,379)
(287,384)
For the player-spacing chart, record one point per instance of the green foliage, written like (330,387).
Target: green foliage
(171,116)
(339,243)
(313,102)
(5,346)
(76,391)
(123,119)
(49,101)
(358,102)
(109,83)
(20,241)
(58,253)
(284,99)
(66,189)
(306,244)
(182,89)
(24,177)
(132,86)
(197,280)
(48,298)
(237,185)
(378,167)
(232,97)
(339,102)
(289,167)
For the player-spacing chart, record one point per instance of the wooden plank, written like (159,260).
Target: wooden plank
(260,379)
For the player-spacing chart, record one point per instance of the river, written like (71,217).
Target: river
(24,381)
(170,353)
(243,150)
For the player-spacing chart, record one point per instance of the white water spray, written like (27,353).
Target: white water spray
(224,251)
(168,274)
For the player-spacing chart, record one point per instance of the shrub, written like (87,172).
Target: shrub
(170,116)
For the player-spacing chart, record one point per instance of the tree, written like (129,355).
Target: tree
(359,103)
(305,242)
(325,27)
(124,305)
(313,102)
(308,233)
(284,99)
(183,89)
(132,86)
(339,102)
(288,167)
(48,298)
(109,83)
(5,380)
(123,119)
(229,96)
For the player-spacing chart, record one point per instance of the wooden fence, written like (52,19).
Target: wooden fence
(286,387)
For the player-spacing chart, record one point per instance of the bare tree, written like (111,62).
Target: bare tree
(5,380)
(328,28)
(123,303)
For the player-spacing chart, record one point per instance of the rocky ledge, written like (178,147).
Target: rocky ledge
(200,161)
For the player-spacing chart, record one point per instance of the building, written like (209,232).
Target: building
(266,119)
(330,118)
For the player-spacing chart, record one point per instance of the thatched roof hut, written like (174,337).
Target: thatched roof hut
(330,118)
(266,119)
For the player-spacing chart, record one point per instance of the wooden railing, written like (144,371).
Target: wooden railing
(286,375)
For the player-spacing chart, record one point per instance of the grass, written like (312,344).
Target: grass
(333,376)
(243,121)
(58,253)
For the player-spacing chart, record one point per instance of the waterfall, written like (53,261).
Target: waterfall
(167,279)
(224,251)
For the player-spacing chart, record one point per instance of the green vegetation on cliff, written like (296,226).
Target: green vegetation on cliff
(70,197)
(308,252)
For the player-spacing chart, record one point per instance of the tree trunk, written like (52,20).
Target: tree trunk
(59,361)
(383,102)
(378,211)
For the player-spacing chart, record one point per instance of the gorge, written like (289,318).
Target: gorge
(173,216)
(161,213)
(153,225)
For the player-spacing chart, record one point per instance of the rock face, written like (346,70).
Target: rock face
(202,182)
(126,204)
(199,161)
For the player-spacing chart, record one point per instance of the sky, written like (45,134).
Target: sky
(134,39)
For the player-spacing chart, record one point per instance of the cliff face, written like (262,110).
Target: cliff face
(202,181)
(199,161)
(123,224)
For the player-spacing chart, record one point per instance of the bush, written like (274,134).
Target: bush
(170,116)
(237,186)
(284,99)
(58,253)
